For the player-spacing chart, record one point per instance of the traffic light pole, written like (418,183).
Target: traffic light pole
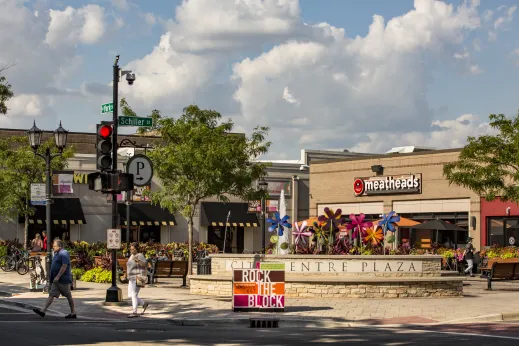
(114,294)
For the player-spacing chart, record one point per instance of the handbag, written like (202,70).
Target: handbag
(141,280)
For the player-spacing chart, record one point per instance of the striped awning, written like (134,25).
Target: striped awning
(64,211)
(145,214)
(215,214)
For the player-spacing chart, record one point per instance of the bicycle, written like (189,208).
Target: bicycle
(24,264)
(18,260)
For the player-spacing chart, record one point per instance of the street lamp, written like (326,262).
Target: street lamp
(60,137)
(263,185)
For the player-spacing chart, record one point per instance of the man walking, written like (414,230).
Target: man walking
(60,279)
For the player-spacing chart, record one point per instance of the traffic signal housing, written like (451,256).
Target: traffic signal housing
(104,146)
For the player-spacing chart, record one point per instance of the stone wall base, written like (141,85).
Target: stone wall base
(223,288)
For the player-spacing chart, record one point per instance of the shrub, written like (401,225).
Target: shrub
(77,273)
(98,275)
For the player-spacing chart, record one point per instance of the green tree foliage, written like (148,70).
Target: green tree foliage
(5,93)
(489,165)
(199,158)
(127,111)
(20,167)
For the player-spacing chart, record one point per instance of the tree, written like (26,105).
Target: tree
(5,91)
(489,165)
(198,158)
(19,169)
(127,111)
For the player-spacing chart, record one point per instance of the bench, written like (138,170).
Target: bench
(167,269)
(502,271)
(486,264)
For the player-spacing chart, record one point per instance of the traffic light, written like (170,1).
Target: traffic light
(110,182)
(104,146)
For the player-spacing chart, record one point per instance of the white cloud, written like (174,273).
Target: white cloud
(445,134)
(25,105)
(506,18)
(85,25)
(475,69)
(287,96)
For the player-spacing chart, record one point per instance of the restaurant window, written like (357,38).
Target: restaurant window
(503,231)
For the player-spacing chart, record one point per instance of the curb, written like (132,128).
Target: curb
(245,322)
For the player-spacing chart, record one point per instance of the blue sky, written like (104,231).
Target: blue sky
(435,88)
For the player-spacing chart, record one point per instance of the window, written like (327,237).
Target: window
(503,231)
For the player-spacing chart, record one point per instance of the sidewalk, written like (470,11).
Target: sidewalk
(169,301)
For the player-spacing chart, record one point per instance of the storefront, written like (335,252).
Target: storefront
(411,184)
(499,223)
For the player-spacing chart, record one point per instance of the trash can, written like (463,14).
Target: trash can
(203,264)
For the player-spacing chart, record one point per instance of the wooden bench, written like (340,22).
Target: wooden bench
(502,271)
(167,269)
(486,266)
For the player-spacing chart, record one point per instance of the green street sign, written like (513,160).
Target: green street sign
(107,108)
(135,121)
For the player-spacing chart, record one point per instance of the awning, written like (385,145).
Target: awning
(64,211)
(215,214)
(146,214)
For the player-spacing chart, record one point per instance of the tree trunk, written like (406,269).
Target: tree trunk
(190,245)
(26,232)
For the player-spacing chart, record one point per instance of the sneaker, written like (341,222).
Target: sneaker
(71,316)
(132,315)
(39,312)
(144,307)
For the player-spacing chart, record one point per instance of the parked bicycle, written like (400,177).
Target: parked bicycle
(18,259)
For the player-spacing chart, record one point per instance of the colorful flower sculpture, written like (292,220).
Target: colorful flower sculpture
(278,223)
(358,226)
(331,220)
(319,235)
(301,232)
(388,221)
(374,236)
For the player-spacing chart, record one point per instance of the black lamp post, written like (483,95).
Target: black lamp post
(263,185)
(60,138)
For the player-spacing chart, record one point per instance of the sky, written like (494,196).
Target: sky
(321,74)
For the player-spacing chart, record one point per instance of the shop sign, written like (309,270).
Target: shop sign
(38,194)
(259,289)
(62,183)
(255,206)
(511,241)
(388,185)
(275,186)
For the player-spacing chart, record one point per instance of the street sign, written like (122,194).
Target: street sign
(38,194)
(135,121)
(141,168)
(107,108)
(113,239)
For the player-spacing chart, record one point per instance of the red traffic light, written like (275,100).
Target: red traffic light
(105,131)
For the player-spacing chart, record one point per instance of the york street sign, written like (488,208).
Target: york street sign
(107,108)
(135,121)
(141,168)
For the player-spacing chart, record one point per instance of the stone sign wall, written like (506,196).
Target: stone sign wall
(298,265)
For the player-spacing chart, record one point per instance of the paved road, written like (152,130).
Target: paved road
(21,327)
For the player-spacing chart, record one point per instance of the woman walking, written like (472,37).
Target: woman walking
(136,269)
(37,243)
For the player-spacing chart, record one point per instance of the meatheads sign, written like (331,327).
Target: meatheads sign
(388,185)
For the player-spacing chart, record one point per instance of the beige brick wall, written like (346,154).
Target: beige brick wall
(452,288)
(332,182)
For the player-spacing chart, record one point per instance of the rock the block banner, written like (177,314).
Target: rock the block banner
(259,289)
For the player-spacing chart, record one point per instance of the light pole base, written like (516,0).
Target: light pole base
(114,295)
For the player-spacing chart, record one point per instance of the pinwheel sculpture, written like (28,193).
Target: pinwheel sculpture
(331,219)
(277,224)
(358,226)
(374,236)
(301,232)
(319,235)
(388,223)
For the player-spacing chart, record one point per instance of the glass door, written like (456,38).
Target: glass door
(511,232)
(496,231)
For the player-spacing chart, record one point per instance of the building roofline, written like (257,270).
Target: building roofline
(83,133)
(392,155)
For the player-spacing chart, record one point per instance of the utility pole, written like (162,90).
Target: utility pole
(114,294)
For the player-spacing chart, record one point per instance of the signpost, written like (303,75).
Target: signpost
(38,194)
(107,108)
(260,289)
(135,121)
(113,239)
(141,168)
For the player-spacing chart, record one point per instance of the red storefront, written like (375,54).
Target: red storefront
(499,223)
